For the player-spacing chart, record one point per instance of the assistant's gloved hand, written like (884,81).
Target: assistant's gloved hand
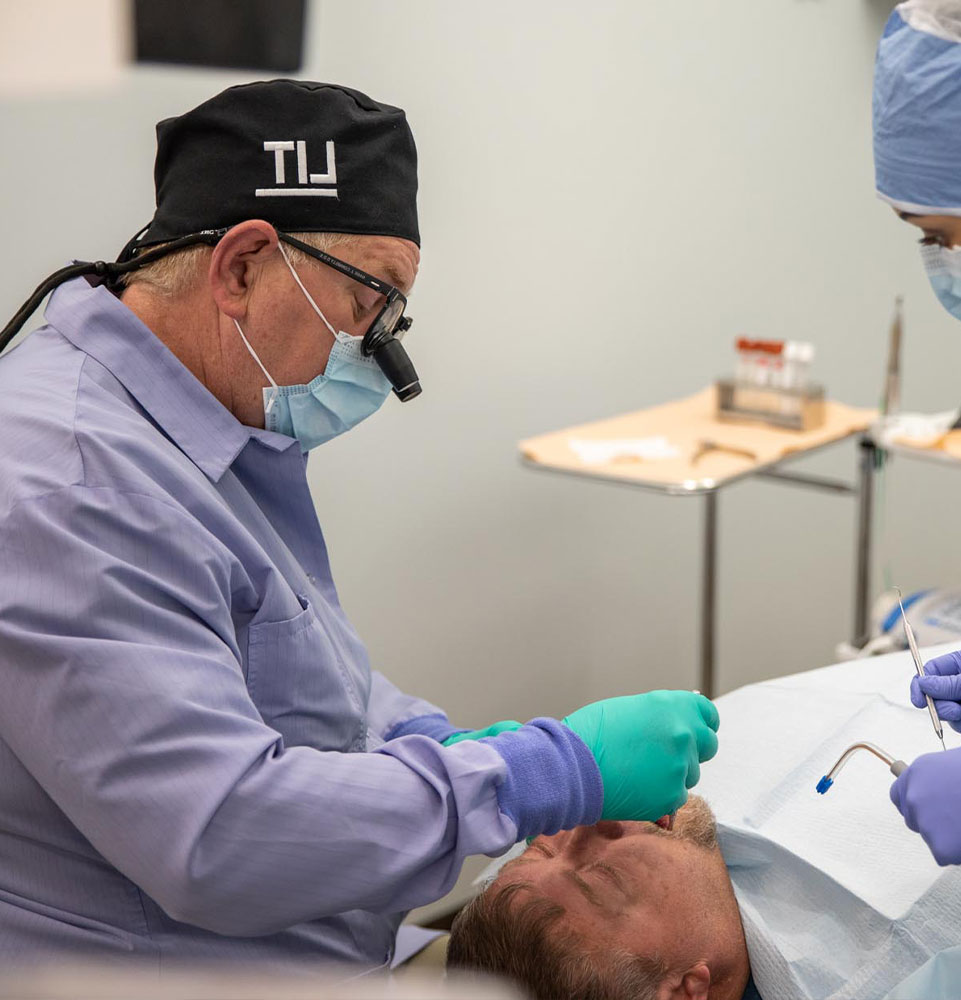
(942,681)
(647,747)
(928,796)
(479,734)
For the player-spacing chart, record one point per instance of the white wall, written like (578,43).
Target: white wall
(611,192)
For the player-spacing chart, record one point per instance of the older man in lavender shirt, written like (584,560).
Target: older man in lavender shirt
(196,760)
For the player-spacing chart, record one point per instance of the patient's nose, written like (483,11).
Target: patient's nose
(609,829)
(583,839)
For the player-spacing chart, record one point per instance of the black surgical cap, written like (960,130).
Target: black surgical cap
(306,157)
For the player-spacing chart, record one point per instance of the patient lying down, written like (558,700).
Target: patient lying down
(792,893)
(615,910)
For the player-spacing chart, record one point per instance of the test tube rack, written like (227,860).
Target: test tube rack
(799,409)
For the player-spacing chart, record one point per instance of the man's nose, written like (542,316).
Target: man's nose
(609,829)
(585,839)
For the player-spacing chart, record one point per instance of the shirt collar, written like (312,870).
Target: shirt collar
(96,322)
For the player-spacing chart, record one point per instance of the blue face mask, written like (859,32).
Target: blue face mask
(349,390)
(943,266)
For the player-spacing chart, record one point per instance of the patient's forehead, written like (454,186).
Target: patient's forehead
(642,897)
(625,862)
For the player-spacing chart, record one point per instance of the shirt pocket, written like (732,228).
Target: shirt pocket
(302,688)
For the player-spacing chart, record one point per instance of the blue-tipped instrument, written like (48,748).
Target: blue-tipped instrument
(894,766)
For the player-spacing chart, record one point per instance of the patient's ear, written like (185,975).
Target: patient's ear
(695,984)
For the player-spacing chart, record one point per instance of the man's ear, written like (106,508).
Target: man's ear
(695,984)
(240,252)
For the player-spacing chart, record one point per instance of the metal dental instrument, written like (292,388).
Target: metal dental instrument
(891,399)
(916,656)
(894,766)
(704,446)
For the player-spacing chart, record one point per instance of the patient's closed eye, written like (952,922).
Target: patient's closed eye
(609,873)
(529,855)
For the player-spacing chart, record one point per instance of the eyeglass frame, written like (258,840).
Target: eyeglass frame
(373,338)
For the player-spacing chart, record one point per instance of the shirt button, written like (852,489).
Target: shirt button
(311,578)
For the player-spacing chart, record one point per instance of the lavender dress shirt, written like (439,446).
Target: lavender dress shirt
(196,761)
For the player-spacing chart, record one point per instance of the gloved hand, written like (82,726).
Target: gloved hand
(479,734)
(647,747)
(942,681)
(928,796)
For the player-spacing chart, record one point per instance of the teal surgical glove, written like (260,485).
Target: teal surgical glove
(648,748)
(479,734)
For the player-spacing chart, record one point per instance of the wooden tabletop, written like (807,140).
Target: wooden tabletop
(685,423)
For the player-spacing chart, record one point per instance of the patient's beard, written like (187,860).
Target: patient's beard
(695,822)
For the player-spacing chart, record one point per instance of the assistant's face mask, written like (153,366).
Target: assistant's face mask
(349,390)
(943,266)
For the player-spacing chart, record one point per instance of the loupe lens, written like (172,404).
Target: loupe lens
(391,316)
(388,323)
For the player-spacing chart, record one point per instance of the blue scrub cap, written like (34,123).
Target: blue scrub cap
(917,108)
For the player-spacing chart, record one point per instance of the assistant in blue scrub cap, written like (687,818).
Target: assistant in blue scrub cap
(917,108)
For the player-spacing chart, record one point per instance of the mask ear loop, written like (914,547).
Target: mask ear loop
(307,294)
(253,354)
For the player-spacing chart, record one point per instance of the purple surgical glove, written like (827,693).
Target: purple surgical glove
(928,796)
(942,681)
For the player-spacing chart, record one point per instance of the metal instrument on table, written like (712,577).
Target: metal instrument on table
(891,397)
(705,446)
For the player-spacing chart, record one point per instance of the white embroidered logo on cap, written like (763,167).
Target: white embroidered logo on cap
(280,148)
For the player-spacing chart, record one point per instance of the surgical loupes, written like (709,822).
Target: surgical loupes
(916,656)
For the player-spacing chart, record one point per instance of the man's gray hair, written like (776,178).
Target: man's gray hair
(176,273)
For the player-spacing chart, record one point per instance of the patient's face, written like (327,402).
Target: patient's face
(640,887)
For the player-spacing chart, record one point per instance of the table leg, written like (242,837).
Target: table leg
(708,590)
(869,454)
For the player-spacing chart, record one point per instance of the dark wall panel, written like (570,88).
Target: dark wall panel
(234,34)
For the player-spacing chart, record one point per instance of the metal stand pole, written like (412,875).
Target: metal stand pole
(869,456)
(708,588)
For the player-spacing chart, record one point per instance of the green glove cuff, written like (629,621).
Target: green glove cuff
(479,734)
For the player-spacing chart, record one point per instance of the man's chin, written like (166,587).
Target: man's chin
(693,822)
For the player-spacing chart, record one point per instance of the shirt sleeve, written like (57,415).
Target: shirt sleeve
(124,696)
(391,713)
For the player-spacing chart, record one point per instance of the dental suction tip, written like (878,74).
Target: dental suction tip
(824,784)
